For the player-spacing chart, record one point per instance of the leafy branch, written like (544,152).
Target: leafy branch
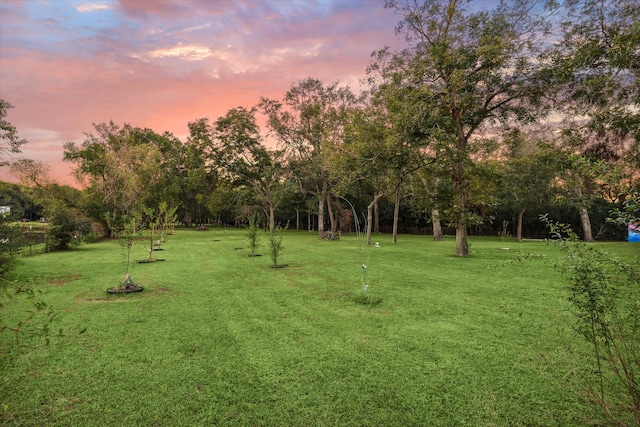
(39,318)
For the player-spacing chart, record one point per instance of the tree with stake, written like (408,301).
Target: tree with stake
(153,219)
(167,218)
(275,246)
(253,231)
(127,237)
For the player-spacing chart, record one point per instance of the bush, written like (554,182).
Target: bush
(10,243)
(605,298)
(68,229)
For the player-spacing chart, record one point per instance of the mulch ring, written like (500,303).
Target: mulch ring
(125,289)
(147,260)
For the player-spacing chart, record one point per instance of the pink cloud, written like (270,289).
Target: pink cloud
(163,64)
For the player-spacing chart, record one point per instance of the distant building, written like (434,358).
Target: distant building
(5,210)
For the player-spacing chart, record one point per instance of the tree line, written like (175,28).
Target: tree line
(485,118)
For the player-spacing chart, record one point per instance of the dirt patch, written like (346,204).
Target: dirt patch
(63,280)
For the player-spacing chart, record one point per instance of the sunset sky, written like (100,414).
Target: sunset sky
(161,64)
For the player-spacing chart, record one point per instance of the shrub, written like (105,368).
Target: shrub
(604,294)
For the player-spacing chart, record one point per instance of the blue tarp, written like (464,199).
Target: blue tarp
(634,232)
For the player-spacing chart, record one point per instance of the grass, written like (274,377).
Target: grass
(219,338)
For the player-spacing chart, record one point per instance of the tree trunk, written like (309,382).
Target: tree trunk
(369,222)
(396,214)
(272,217)
(519,227)
(321,198)
(460,202)
(460,188)
(462,246)
(370,208)
(332,214)
(297,218)
(437,227)
(586,225)
(376,218)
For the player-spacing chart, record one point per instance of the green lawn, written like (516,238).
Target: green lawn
(219,338)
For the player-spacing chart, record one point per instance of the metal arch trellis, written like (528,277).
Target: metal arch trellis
(360,239)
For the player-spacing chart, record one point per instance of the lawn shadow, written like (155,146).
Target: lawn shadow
(96,296)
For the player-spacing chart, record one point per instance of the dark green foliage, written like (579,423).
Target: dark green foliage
(468,70)
(67,229)
(10,242)
(630,212)
(20,201)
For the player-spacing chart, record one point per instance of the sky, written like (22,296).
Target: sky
(160,64)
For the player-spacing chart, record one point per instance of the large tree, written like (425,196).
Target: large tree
(10,142)
(118,165)
(198,171)
(530,165)
(165,187)
(61,204)
(246,162)
(361,162)
(474,69)
(396,103)
(308,121)
(597,63)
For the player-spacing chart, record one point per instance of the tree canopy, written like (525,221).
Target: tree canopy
(489,115)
